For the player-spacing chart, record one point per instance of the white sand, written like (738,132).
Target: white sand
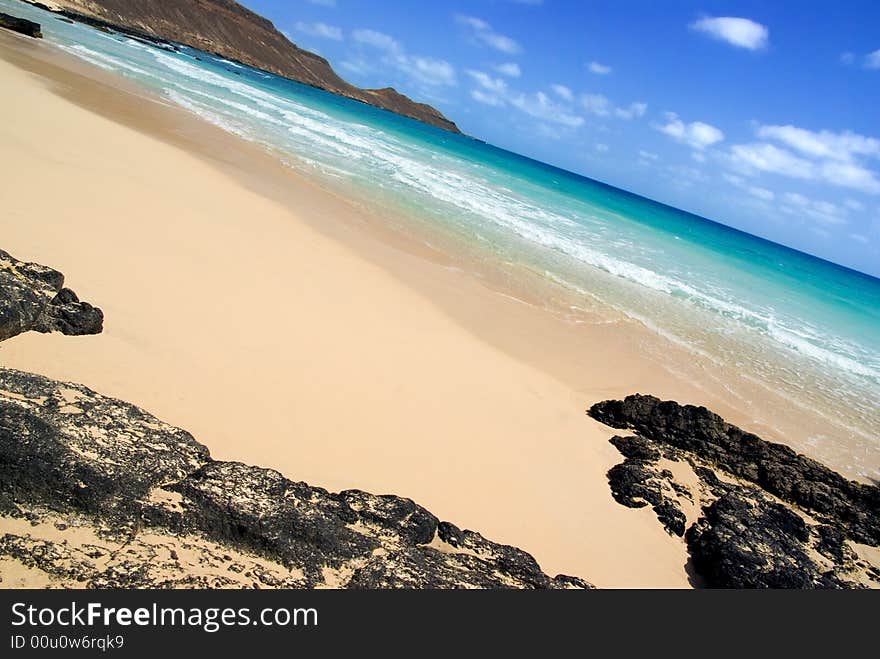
(229,314)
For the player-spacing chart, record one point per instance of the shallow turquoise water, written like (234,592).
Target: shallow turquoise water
(798,324)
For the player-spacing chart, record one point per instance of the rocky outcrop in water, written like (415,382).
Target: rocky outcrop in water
(141,489)
(21,25)
(753,513)
(230,30)
(33,297)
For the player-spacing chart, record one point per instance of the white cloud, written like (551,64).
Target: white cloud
(599,69)
(563,92)
(823,212)
(482,31)
(509,69)
(358,66)
(733,179)
(853,204)
(850,175)
(634,110)
(432,71)
(601,148)
(323,3)
(739,32)
(428,71)
(769,158)
(825,156)
(377,40)
(601,106)
(541,106)
(822,144)
(859,238)
(321,30)
(597,104)
(872,60)
(495,92)
(761,193)
(494,85)
(696,134)
(847,58)
(487,99)
(756,191)
(648,155)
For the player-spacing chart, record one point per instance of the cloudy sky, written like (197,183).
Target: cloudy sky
(758,114)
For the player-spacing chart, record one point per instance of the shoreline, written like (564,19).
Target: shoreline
(562,374)
(211,324)
(674,371)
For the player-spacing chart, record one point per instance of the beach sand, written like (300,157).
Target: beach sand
(280,326)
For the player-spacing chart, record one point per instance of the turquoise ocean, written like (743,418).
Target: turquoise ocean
(804,328)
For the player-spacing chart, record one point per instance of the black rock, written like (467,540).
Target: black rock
(38,5)
(33,297)
(777,469)
(635,447)
(109,465)
(639,482)
(744,537)
(21,25)
(671,516)
(746,540)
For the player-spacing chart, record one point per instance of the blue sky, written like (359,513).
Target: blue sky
(764,115)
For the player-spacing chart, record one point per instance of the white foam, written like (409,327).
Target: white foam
(486,205)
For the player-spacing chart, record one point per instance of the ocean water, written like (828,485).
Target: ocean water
(801,327)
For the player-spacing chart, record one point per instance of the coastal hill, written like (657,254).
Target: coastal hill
(227,29)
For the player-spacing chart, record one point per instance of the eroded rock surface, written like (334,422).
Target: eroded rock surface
(33,297)
(754,513)
(160,512)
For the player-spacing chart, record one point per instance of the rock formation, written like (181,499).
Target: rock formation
(21,25)
(141,489)
(753,513)
(97,492)
(33,297)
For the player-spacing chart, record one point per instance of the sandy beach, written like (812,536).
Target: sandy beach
(283,327)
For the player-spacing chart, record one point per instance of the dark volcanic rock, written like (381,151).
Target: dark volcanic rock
(78,458)
(751,542)
(638,482)
(751,531)
(22,25)
(33,297)
(65,446)
(165,515)
(776,468)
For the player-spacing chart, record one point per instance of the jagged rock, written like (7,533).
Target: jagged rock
(776,468)
(167,515)
(33,297)
(751,542)
(21,25)
(63,445)
(638,482)
(75,458)
(751,531)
